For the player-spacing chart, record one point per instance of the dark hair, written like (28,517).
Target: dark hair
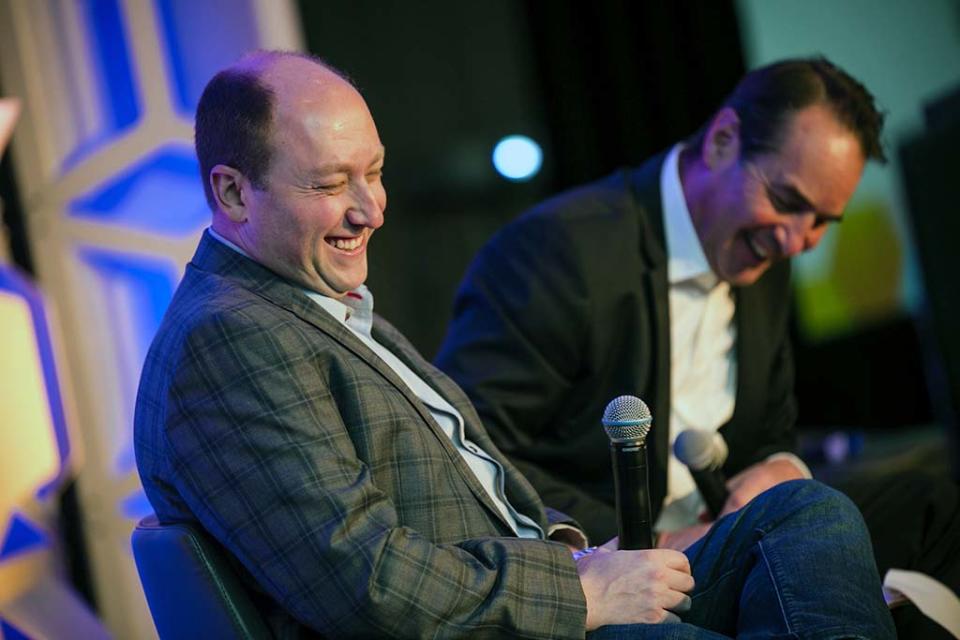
(234,118)
(233,127)
(765,98)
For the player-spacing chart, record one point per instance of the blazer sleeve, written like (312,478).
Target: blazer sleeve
(260,452)
(776,432)
(780,415)
(782,404)
(516,345)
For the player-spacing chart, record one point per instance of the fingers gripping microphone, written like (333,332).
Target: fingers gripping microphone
(704,453)
(627,421)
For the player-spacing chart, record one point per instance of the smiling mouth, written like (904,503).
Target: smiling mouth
(345,244)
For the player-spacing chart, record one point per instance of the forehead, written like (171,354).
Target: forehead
(318,113)
(819,157)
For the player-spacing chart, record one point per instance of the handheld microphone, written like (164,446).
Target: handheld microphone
(627,421)
(704,453)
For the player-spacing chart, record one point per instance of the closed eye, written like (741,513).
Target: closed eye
(787,204)
(824,220)
(795,204)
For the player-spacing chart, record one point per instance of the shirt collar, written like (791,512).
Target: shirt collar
(223,240)
(685,258)
(355,309)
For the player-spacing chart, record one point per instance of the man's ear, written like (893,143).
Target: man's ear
(721,144)
(230,191)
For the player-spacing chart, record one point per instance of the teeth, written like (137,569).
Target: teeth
(347,245)
(757,247)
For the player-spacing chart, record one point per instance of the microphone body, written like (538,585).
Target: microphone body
(627,421)
(713,488)
(631,482)
(704,453)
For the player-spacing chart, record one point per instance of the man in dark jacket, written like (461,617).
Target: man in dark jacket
(670,281)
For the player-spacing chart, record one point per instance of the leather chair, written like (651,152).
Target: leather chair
(192,589)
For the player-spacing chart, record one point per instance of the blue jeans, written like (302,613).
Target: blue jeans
(794,563)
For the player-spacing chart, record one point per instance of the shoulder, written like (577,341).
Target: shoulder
(605,202)
(210,317)
(576,232)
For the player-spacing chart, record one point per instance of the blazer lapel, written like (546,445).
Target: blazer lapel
(645,185)
(524,497)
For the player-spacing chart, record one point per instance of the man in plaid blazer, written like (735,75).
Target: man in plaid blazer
(352,481)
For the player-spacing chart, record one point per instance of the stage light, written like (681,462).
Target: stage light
(517,158)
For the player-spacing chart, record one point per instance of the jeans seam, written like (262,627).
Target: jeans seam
(776,587)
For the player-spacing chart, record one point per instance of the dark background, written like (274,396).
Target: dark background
(599,85)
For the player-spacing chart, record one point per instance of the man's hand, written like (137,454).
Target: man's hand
(683,538)
(630,587)
(754,480)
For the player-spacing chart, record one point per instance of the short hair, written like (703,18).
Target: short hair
(235,115)
(765,98)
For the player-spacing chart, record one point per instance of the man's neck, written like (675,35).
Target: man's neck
(693,181)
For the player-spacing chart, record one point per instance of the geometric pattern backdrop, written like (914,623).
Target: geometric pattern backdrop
(105,165)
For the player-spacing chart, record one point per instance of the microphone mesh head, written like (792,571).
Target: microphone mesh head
(627,420)
(700,450)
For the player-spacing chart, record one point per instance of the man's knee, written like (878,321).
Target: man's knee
(813,497)
(805,491)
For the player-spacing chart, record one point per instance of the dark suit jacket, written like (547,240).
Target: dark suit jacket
(270,423)
(565,309)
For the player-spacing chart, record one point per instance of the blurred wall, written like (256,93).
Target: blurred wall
(906,53)
(112,207)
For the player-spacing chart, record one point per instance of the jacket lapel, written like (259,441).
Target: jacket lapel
(645,186)
(521,494)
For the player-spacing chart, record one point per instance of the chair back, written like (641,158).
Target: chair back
(192,589)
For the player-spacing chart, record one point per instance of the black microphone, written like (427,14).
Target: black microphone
(704,453)
(627,421)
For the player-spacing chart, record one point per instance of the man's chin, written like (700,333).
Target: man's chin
(746,277)
(338,283)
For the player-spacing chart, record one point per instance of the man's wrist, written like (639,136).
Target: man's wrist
(794,459)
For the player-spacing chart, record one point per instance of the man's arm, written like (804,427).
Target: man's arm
(264,458)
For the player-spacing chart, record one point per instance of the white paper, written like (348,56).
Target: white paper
(9,110)
(933,598)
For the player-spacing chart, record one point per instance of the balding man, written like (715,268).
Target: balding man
(352,480)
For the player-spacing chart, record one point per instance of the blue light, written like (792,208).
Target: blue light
(517,158)
(159,194)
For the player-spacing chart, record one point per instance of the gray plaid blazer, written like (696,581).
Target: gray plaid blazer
(269,423)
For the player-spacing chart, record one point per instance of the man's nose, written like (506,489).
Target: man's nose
(365,210)
(796,235)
